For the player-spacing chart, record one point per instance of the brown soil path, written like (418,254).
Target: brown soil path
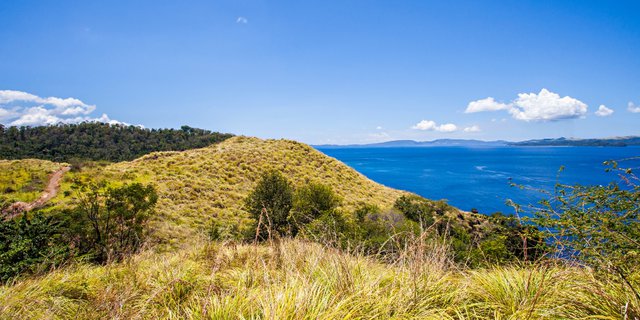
(50,191)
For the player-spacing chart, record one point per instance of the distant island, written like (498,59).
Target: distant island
(559,142)
(571,142)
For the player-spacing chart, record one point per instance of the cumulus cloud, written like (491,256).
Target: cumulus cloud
(428,125)
(633,108)
(242,20)
(546,106)
(603,111)
(473,128)
(542,106)
(487,104)
(19,108)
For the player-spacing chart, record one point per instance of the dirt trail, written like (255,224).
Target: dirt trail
(50,191)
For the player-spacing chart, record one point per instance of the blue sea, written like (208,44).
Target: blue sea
(480,177)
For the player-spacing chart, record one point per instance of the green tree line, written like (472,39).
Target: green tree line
(99,141)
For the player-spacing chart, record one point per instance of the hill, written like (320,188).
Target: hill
(200,185)
(564,142)
(572,142)
(98,141)
(24,180)
(294,278)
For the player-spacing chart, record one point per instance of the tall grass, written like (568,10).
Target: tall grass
(293,279)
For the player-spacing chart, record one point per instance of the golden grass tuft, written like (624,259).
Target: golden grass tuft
(293,279)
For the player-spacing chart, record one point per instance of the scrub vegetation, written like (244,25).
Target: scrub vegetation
(273,229)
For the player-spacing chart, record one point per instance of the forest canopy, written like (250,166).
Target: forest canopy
(99,141)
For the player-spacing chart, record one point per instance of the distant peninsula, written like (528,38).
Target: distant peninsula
(559,142)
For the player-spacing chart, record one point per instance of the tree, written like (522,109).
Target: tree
(98,141)
(597,226)
(270,203)
(111,221)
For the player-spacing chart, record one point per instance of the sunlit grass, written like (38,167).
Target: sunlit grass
(301,280)
(24,180)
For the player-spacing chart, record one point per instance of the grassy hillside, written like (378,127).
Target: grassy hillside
(24,180)
(292,279)
(199,185)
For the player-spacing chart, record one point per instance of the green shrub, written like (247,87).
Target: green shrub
(598,226)
(418,209)
(310,202)
(30,243)
(109,222)
(270,203)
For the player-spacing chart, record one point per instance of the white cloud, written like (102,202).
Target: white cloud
(6,114)
(242,20)
(19,108)
(633,108)
(546,106)
(487,104)
(473,128)
(425,125)
(447,127)
(428,125)
(603,111)
(379,128)
(542,106)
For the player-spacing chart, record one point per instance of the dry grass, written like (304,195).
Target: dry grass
(300,280)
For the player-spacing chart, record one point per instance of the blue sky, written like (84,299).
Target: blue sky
(327,71)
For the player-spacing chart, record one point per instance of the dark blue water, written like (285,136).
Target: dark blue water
(480,177)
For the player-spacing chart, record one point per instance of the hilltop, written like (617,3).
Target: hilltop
(198,186)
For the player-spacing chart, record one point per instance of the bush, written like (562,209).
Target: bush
(310,202)
(109,222)
(270,203)
(30,243)
(419,209)
(598,226)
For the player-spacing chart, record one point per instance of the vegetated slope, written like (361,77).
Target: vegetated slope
(302,280)
(24,180)
(201,185)
(50,191)
(98,141)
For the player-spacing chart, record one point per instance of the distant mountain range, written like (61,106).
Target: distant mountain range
(606,142)
(564,142)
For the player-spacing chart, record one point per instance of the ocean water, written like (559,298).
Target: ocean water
(480,177)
